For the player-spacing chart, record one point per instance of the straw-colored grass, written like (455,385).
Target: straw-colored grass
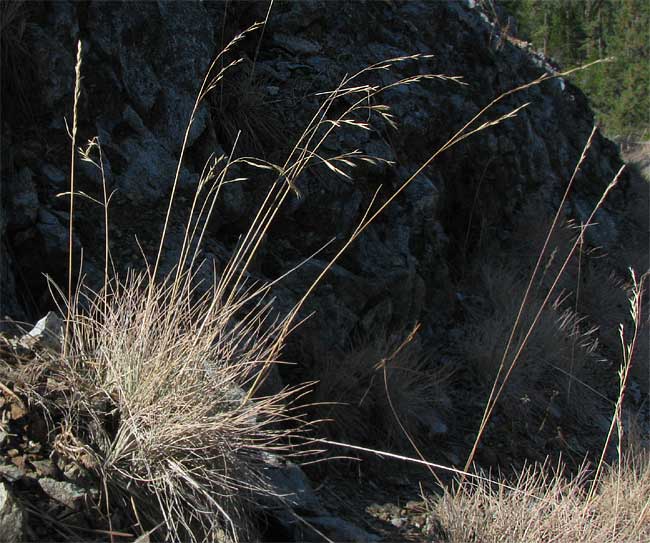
(158,406)
(155,392)
(543,505)
(540,504)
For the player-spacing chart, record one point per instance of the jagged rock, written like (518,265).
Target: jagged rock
(290,483)
(47,332)
(11,473)
(44,468)
(52,233)
(149,171)
(496,171)
(295,44)
(69,494)
(12,517)
(297,500)
(54,53)
(53,176)
(341,530)
(142,41)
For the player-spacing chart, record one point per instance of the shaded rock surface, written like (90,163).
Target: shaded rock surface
(12,517)
(143,67)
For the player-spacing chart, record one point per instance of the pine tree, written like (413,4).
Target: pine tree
(575,32)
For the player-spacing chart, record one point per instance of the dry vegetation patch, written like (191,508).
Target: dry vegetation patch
(543,504)
(379,388)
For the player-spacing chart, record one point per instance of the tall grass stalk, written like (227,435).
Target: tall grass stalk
(500,384)
(73,151)
(628,352)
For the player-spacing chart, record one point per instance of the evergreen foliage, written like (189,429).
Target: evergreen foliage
(575,32)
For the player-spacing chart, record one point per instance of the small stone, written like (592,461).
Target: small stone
(17,411)
(11,473)
(47,332)
(19,462)
(44,468)
(69,494)
(33,447)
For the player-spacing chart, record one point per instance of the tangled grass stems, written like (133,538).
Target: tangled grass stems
(549,506)
(157,405)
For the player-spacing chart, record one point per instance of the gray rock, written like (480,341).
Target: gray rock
(68,494)
(289,482)
(297,498)
(53,176)
(231,204)
(53,233)
(134,121)
(47,332)
(297,16)
(149,172)
(44,468)
(12,517)
(296,44)
(143,41)
(23,200)
(11,473)
(338,529)
(53,50)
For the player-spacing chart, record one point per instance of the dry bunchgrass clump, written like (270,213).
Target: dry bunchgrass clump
(608,503)
(367,394)
(556,363)
(248,114)
(158,404)
(541,504)
(531,227)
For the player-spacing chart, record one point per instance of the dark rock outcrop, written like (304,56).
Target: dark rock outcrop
(143,65)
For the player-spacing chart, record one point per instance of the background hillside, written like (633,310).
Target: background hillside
(574,32)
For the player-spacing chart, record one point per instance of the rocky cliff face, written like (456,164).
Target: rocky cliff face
(143,64)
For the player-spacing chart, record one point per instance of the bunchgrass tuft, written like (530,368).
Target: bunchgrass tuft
(364,393)
(158,405)
(542,504)
(556,366)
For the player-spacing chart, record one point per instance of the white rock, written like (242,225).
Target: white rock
(47,332)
